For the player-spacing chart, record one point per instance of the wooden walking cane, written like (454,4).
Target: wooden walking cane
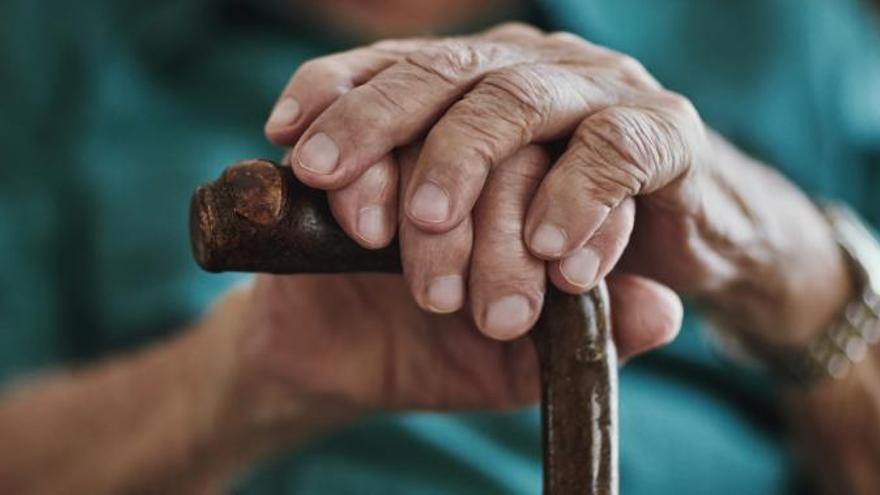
(258,218)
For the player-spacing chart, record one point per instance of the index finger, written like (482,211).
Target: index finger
(393,109)
(318,83)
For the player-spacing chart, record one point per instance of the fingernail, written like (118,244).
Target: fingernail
(446,293)
(580,268)
(548,240)
(319,154)
(284,113)
(430,204)
(507,317)
(369,224)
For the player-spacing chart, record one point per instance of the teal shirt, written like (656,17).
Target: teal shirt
(112,111)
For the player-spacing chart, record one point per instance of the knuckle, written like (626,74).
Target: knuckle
(536,157)
(526,168)
(609,135)
(625,62)
(631,69)
(398,47)
(516,94)
(679,105)
(567,38)
(611,150)
(315,68)
(453,60)
(385,99)
(500,114)
(678,134)
(322,72)
(516,29)
(613,184)
(607,185)
(483,138)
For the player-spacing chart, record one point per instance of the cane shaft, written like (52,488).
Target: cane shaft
(578,393)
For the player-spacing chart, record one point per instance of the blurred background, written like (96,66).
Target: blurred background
(111,112)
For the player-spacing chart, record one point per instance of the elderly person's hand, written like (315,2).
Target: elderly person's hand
(711,221)
(382,351)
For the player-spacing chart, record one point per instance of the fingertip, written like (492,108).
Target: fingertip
(309,176)
(674,316)
(548,241)
(669,315)
(646,314)
(366,208)
(508,317)
(418,213)
(577,273)
(435,266)
(507,283)
(281,125)
(563,215)
(429,205)
(319,154)
(445,294)
(369,226)
(374,228)
(581,269)
(443,187)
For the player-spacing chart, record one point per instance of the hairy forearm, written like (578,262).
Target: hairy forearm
(180,417)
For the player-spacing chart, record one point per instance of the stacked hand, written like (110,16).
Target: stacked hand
(503,160)
(448,142)
(364,339)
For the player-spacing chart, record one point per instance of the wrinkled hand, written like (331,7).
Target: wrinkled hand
(362,340)
(477,101)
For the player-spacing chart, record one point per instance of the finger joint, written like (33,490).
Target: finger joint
(452,61)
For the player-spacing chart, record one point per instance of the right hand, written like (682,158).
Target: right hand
(361,340)
(477,101)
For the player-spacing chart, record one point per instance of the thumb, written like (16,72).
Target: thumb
(645,314)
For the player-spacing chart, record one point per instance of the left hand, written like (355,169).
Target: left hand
(477,100)
(383,352)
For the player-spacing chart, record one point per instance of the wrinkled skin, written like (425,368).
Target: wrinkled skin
(361,339)
(485,97)
(446,141)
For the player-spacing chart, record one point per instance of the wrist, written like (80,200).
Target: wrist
(790,278)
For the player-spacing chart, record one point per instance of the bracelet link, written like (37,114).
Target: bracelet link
(848,341)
